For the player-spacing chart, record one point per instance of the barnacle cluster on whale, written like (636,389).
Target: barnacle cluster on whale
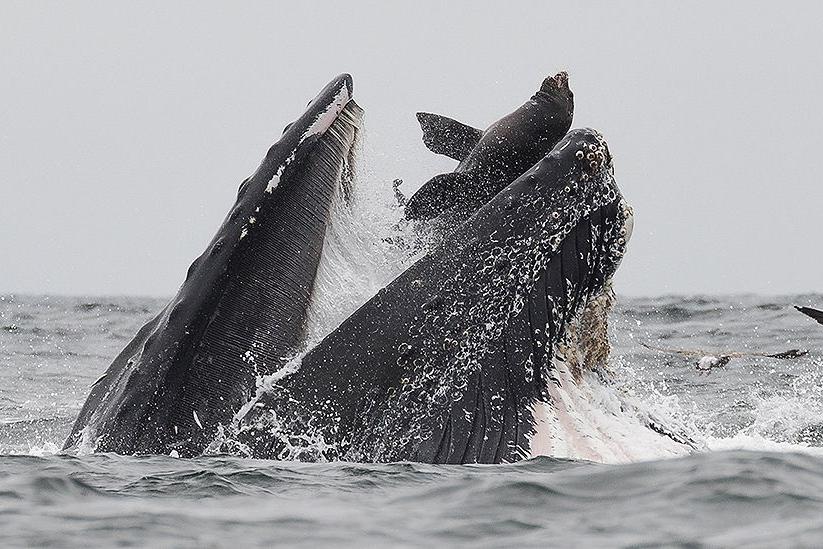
(454,361)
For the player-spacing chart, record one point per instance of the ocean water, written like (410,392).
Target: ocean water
(757,482)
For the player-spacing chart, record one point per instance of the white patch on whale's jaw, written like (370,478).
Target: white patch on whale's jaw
(322,123)
(275,179)
(587,419)
(627,213)
(326,118)
(628,220)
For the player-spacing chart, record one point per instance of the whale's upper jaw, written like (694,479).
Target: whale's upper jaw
(187,369)
(582,343)
(596,167)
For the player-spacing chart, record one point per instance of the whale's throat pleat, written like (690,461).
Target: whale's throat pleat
(489,422)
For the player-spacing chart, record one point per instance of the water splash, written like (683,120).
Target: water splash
(366,247)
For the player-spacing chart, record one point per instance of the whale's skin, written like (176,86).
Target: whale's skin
(490,160)
(445,364)
(187,371)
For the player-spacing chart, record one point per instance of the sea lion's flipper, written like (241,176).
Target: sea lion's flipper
(814,313)
(446,136)
(449,191)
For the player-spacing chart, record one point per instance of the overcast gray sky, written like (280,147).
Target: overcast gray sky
(125,130)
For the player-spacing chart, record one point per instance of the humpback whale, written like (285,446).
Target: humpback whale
(490,160)
(473,355)
(456,360)
(242,307)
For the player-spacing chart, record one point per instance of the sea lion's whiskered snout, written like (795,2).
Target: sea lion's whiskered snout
(559,81)
(556,87)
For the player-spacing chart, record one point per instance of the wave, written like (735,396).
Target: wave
(722,498)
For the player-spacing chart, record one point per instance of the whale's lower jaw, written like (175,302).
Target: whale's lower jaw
(589,419)
(243,304)
(585,416)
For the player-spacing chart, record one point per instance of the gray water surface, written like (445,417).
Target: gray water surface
(760,482)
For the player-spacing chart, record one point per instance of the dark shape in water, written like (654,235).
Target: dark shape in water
(190,368)
(445,363)
(490,160)
(813,313)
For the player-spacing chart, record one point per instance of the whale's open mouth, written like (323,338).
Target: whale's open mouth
(585,345)
(446,363)
(455,361)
